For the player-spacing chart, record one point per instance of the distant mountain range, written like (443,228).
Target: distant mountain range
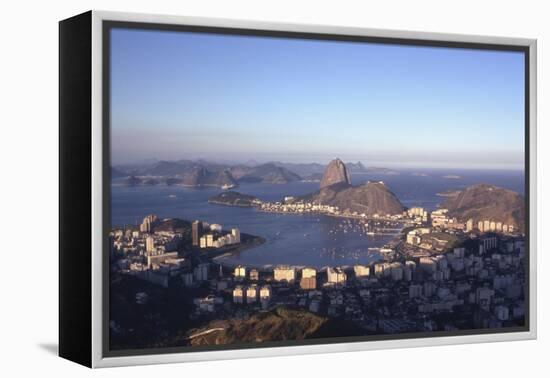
(316,170)
(267,173)
(478,202)
(201,173)
(206,173)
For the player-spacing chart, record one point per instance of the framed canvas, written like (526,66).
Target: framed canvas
(234,189)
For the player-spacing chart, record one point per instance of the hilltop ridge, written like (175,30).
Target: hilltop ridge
(487,202)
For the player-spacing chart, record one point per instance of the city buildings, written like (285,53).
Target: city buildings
(265,295)
(240,272)
(216,238)
(150,244)
(418,214)
(488,225)
(148,222)
(487,243)
(309,279)
(254,275)
(252,294)
(308,283)
(361,271)
(396,270)
(284,273)
(200,272)
(196,232)
(477,281)
(156,260)
(214,227)
(336,276)
(428,264)
(236,234)
(238,294)
(309,273)
(187,279)
(415,291)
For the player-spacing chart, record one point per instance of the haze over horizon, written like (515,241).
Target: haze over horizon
(368,164)
(179,95)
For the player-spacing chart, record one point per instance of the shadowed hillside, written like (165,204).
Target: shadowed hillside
(487,202)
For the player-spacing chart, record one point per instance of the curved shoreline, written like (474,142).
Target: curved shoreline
(219,258)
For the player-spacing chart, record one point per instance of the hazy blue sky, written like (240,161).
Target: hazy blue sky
(185,95)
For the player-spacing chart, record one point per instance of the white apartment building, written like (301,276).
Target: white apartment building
(284,273)
(336,276)
(361,271)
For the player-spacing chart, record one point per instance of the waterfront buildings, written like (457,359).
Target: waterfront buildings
(148,222)
(202,242)
(309,273)
(236,234)
(361,271)
(418,214)
(487,225)
(336,276)
(210,240)
(478,281)
(196,232)
(215,238)
(150,244)
(284,273)
(240,272)
(308,283)
(309,279)
(469,225)
(214,227)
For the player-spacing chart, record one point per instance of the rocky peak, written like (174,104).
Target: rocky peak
(335,173)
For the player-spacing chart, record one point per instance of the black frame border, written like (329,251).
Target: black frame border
(108,25)
(75,189)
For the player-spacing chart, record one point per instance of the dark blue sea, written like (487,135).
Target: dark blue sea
(299,240)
